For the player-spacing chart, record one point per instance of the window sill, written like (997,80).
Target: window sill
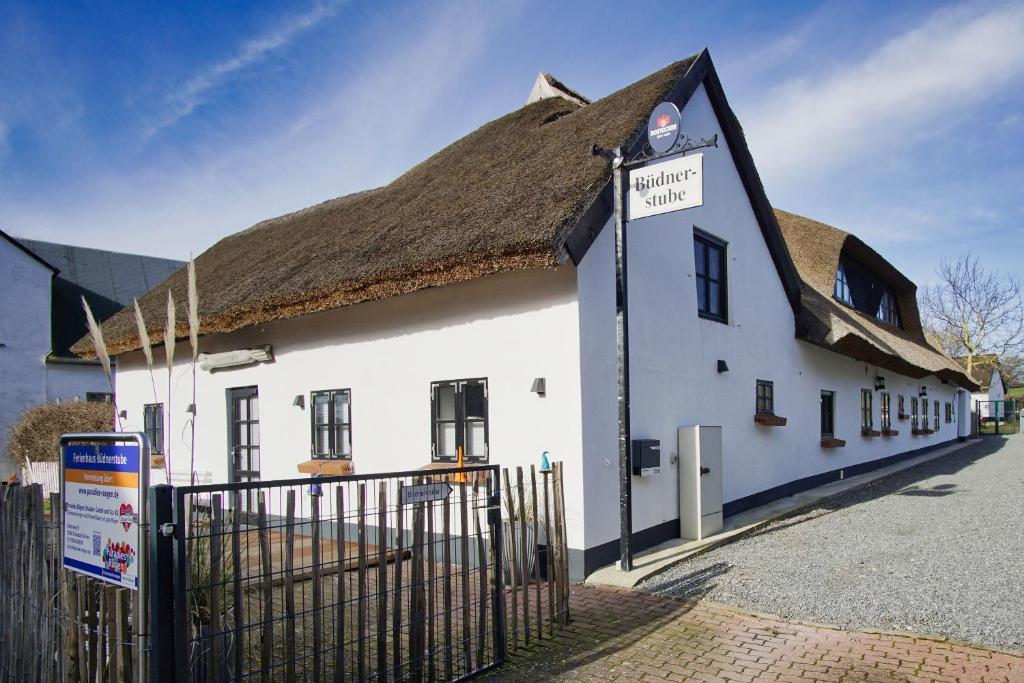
(327,467)
(712,318)
(921,432)
(904,417)
(832,443)
(767,420)
(869,432)
(890,432)
(157,461)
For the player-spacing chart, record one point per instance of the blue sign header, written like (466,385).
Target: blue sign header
(108,458)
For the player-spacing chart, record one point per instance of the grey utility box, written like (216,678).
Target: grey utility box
(646,457)
(700,481)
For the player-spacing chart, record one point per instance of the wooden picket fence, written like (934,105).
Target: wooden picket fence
(56,625)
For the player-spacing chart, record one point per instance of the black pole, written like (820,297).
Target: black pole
(161,586)
(622,367)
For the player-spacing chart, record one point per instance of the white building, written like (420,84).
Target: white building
(990,398)
(414,318)
(42,316)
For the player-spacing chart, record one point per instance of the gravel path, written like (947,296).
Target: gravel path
(936,549)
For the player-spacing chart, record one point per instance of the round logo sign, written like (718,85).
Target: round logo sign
(663,127)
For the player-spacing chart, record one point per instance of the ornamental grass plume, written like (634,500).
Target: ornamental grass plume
(96,335)
(147,351)
(193,338)
(169,332)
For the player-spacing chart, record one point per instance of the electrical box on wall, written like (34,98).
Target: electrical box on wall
(646,457)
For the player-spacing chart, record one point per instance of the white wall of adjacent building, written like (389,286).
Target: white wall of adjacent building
(674,380)
(509,328)
(25,339)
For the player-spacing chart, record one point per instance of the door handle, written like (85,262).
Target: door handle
(705,470)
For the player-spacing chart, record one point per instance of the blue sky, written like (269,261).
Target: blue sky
(160,127)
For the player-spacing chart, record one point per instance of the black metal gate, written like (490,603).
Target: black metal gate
(380,577)
(998,417)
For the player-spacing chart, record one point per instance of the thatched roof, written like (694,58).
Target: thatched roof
(503,198)
(815,249)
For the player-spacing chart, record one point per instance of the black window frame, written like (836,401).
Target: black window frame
(333,453)
(764,397)
(154,430)
(703,281)
(841,287)
(901,405)
(888,314)
(886,410)
(924,414)
(913,412)
(460,420)
(935,416)
(99,397)
(829,416)
(867,409)
(949,412)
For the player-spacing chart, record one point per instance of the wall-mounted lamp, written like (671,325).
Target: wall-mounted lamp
(879,383)
(539,386)
(123,414)
(300,401)
(191,409)
(723,366)
(923,392)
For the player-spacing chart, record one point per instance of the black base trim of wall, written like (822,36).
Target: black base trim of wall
(768,495)
(608,553)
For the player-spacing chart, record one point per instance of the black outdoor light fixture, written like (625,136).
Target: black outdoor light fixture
(923,392)
(539,386)
(299,401)
(191,409)
(723,366)
(879,383)
(123,414)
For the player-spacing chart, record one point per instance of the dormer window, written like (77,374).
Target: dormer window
(887,309)
(842,287)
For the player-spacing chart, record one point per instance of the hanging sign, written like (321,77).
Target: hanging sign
(425,493)
(666,186)
(663,127)
(101,485)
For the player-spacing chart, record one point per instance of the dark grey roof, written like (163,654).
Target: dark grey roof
(22,247)
(108,280)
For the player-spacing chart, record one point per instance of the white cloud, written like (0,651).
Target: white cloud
(903,92)
(195,90)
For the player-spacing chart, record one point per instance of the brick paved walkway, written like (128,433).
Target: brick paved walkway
(628,636)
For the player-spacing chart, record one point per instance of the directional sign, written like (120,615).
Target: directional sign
(425,493)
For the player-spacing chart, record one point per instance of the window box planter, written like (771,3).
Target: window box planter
(867,431)
(890,432)
(903,417)
(921,432)
(766,420)
(441,469)
(832,443)
(157,462)
(327,468)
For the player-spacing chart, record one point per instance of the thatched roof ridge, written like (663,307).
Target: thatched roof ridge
(815,249)
(502,198)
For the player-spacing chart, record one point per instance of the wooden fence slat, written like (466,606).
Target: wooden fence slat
(525,554)
(289,585)
(364,608)
(318,590)
(536,547)
(266,582)
(417,602)
(431,593)
(216,579)
(396,610)
(564,554)
(342,606)
(382,581)
(123,636)
(238,569)
(467,644)
(84,645)
(446,602)
(549,553)
(513,558)
(481,553)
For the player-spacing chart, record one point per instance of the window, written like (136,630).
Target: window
(828,405)
(935,417)
(458,411)
(866,411)
(913,412)
(887,308)
(765,397)
(99,396)
(153,426)
(841,290)
(886,414)
(331,427)
(902,405)
(924,413)
(709,262)
(949,412)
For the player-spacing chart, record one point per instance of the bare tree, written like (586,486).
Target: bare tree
(973,311)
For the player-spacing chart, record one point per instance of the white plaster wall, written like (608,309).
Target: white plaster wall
(25,335)
(508,328)
(674,354)
(71,381)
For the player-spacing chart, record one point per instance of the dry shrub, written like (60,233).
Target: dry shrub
(36,435)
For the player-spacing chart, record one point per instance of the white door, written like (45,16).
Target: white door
(700,481)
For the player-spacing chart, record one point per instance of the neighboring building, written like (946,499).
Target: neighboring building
(990,398)
(50,318)
(25,285)
(413,320)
